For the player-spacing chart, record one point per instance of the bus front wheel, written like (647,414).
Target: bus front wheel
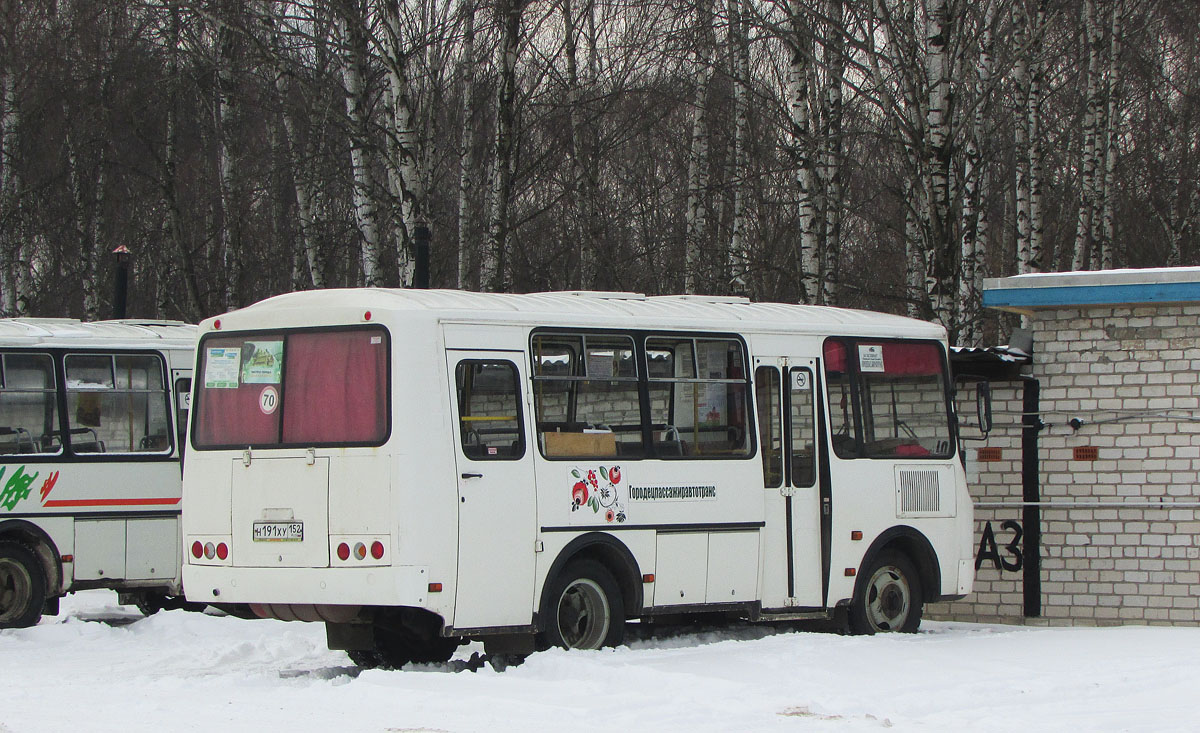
(586,610)
(888,596)
(22,586)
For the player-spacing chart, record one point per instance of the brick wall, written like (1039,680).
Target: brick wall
(1120,533)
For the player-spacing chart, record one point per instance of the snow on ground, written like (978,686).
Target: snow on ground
(101,667)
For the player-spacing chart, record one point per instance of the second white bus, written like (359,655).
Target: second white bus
(419,468)
(91,437)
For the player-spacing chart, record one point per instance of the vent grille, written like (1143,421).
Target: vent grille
(920,492)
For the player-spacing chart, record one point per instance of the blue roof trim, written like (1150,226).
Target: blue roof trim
(1045,297)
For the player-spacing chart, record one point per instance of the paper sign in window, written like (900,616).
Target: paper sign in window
(221,368)
(263,363)
(870,358)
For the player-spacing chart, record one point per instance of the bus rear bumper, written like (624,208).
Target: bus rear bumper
(406,585)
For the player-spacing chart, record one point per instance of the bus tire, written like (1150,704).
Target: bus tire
(405,636)
(586,609)
(22,586)
(887,596)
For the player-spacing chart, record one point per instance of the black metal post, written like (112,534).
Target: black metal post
(121,282)
(421,237)
(1031,513)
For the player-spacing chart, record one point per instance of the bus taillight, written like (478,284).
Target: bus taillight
(222,551)
(377,550)
(343,551)
(197,549)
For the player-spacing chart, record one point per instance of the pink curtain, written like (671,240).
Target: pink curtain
(232,416)
(335,387)
(903,358)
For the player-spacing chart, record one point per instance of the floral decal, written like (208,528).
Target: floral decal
(598,489)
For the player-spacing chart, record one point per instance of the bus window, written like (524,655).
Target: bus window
(898,389)
(770,425)
(117,404)
(698,392)
(586,395)
(489,410)
(303,388)
(803,430)
(904,401)
(28,405)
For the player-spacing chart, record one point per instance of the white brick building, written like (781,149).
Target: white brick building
(1095,517)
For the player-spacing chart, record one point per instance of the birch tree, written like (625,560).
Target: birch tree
(493,264)
(466,168)
(696,213)
(352,38)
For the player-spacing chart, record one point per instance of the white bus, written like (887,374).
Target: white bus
(417,468)
(91,423)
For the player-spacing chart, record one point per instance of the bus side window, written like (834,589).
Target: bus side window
(489,410)
(803,432)
(28,405)
(117,403)
(770,424)
(183,406)
(586,399)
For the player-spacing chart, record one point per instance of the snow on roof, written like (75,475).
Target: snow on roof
(628,310)
(1034,291)
(50,332)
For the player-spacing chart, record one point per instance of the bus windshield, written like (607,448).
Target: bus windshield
(312,387)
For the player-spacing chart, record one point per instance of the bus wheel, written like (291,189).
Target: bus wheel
(22,586)
(586,611)
(888,597)
(405,637)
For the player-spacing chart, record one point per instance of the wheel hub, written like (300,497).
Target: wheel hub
(889,600)
(15,587)
(583,615)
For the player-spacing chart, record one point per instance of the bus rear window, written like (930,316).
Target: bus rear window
(295,388)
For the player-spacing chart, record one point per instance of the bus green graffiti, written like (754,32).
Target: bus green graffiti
(16,488)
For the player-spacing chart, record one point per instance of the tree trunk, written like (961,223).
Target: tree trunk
(354,75)
(832,165)
(494,266)
(404,143)
(1085,224)
(696,212)
(739,246)
(1112,127)
(800,144)
(227,173)
(466,169)
(10,233)
(974,210)
(940,269)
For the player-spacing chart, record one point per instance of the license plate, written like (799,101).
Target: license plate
(279,531)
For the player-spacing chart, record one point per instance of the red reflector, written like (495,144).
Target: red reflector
(68,558)
(856,535)
(850,572)
(367,316)
(648,578)
(435,587)
(217,323)
(377,550)
(343,551)
(222,551)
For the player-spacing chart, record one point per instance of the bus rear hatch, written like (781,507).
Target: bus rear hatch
(281,512)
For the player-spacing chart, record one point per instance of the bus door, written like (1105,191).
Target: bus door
(786,391)
(496,507)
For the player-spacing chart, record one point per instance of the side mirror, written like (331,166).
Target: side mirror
(983,406)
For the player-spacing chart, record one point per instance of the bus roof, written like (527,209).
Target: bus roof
(578,308)
(129,333)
